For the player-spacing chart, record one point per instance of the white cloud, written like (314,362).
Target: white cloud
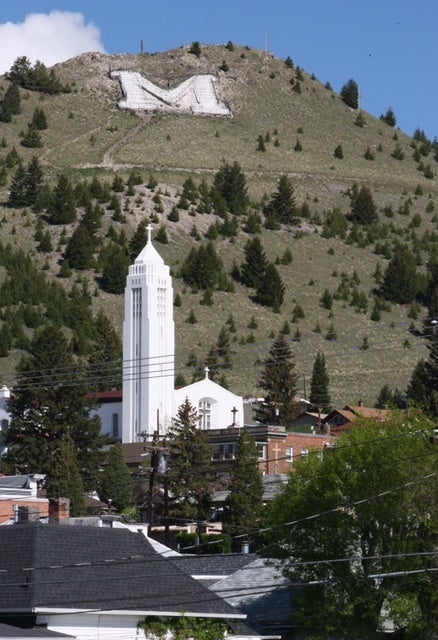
(50,38)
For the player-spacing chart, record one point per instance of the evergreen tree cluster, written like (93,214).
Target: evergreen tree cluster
(203,268)
(262,275)
(35,77)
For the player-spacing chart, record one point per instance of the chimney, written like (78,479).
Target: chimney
(59,510)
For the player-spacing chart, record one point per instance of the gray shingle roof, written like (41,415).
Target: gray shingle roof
(7,632)
(61,566)
(213,565)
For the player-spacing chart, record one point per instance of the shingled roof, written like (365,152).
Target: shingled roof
(89,568)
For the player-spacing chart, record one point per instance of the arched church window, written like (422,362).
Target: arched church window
(204,414)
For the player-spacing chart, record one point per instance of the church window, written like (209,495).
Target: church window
(289,454)
(204,414)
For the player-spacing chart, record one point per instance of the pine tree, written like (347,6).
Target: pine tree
(389,118)
(243,506)
(80,249)
(282,205)
(350,94)
(278,381)
(319,384)
(39,120)
(230,183)
(106,354)
(48,403)
(115,269)
(17,192)
(190,465)
(270,292)
(65,480)
(253,270)
(11,103)
(400,280)
(61,208)
(32,138)
(116,483)
(364,210)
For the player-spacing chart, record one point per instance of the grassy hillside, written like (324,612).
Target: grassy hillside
(88,135)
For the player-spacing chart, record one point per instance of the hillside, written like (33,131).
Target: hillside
(89,136)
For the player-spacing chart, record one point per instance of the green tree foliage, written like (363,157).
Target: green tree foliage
(39,119)
(25,184)
(400,280)
(115,268)
(278,382)
(270,291)
(32,138)
(116,483)
(80,249)
(335,224)
(230,184)
(350,94)
(105,357)
(319,384)
(195,49)
(389,118)
(243,506)
(203,267)
(253,269)
(61,208)
(11,103)
(367,508)
(190,465)
(282,205)
(339,152)
(363,208)
(65,480)
(48,403)
(423,386)
(36,77)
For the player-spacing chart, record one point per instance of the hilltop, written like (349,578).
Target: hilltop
(301,121)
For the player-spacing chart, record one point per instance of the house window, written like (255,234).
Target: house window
(115,425)
(305,453)
(261,448)
(289,454)
(204,414)
(4,425)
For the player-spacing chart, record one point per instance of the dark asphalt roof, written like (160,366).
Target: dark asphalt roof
(64,566)
(8,631)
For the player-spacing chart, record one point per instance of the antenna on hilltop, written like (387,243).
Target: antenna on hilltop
(266,43)
(141,46)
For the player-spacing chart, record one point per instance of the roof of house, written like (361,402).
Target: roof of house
(212,566)
(67,567)
(260,591)
(7,632)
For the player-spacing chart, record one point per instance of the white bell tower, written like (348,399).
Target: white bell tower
(148,346)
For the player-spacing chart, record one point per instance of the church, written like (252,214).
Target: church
(150,401)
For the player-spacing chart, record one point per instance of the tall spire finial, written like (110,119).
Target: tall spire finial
(206,372)
(149,230)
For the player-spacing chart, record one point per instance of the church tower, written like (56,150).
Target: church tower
(148,346)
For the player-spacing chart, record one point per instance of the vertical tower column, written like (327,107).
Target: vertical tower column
(148,346)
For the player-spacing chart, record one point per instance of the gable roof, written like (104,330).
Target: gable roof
(87,568)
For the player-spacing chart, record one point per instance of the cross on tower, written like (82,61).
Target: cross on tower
(234,411)
(149,230)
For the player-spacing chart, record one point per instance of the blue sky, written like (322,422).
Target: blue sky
(390,47)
